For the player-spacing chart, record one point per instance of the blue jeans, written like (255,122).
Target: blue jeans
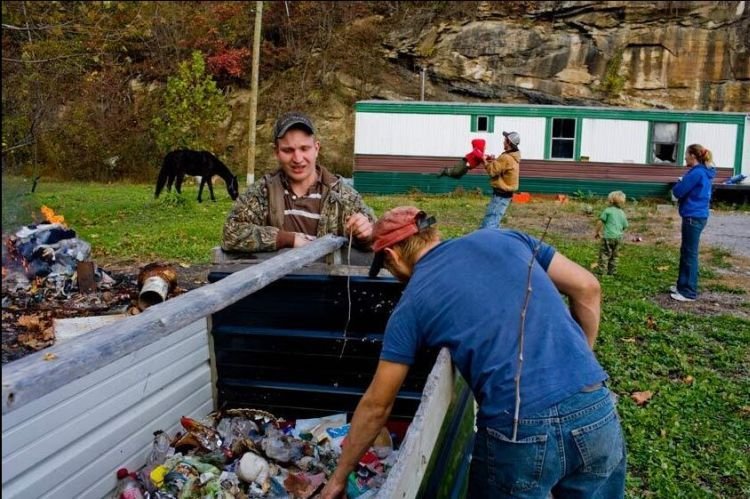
(687,278)
(574,449)
(495,211)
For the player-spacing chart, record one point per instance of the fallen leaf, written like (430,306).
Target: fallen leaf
(650,322)
(48,334)
(745,410)
(688,380)
(662,268)
(663,433)
(628,340)
(49,356)
(594,265)
(185,265)
(641,398)
(31,340)
(29,321)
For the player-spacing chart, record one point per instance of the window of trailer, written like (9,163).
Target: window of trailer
(563,138)
(665,141)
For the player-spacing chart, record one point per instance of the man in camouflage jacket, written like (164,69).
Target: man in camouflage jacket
(298,202)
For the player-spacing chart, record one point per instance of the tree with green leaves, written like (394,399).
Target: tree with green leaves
(192,109)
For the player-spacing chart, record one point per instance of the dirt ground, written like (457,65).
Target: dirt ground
(725,247)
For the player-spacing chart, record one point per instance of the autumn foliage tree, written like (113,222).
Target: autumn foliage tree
(192,109)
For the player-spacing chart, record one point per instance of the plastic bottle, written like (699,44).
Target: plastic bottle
(128,486)
(159,450)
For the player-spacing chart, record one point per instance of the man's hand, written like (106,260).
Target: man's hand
(359,226)
(369,418)
(302,239)
(334,489)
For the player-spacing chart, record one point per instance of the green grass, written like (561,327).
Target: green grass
(124,221)
(691,440)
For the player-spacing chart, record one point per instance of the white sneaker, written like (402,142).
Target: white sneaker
(673,289)
(679,297)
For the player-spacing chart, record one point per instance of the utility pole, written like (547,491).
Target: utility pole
(421,94)
(254,95)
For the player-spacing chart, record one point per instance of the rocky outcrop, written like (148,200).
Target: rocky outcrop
(677,55)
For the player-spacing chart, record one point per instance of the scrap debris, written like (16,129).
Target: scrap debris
(47,275)
(248,453)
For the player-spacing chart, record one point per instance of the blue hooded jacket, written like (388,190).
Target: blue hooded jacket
(694,191)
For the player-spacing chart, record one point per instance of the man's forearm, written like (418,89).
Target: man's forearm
(367,421)
(587,314)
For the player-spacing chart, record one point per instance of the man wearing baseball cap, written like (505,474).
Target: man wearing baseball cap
(298,202)
(469,295)
(503,173)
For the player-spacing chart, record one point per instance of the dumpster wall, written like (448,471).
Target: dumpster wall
(298,349)
(70,442)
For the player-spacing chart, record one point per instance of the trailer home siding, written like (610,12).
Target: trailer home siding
(400,146)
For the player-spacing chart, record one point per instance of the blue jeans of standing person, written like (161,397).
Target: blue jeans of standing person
(495,211)
(687,278)
(574,449)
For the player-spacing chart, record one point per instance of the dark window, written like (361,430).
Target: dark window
(563,138)
(664,142)
(483,124)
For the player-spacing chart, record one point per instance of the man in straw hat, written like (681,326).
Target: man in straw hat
(470,295)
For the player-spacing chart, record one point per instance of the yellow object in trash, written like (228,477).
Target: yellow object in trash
(157,475)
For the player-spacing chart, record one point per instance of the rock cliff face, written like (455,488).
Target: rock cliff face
(676,55)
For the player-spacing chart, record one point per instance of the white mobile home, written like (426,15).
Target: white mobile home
(399,146)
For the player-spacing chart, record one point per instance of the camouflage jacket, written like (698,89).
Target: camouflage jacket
(257,215)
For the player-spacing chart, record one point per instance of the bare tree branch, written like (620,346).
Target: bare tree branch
(38,61)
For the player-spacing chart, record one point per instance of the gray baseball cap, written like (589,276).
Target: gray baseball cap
(294,119)
(513,137)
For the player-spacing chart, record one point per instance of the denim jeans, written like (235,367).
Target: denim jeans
(687,278)
(495,211)
(574,449)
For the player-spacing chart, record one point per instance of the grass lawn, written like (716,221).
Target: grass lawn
(692,438)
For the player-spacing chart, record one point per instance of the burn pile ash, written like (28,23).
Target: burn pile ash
(40,284)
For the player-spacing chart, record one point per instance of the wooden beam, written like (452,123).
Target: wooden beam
(40,373)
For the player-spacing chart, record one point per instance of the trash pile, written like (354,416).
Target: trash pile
(241,453)
(46,256)
(47,276)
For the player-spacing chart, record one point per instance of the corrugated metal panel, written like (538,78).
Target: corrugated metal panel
(720,139)
(70,442)
(440,135)
(398,183)
(616,141)
(530,168)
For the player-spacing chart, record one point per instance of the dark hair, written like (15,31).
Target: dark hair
(702,154)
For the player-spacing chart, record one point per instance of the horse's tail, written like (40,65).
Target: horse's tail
(163,175)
